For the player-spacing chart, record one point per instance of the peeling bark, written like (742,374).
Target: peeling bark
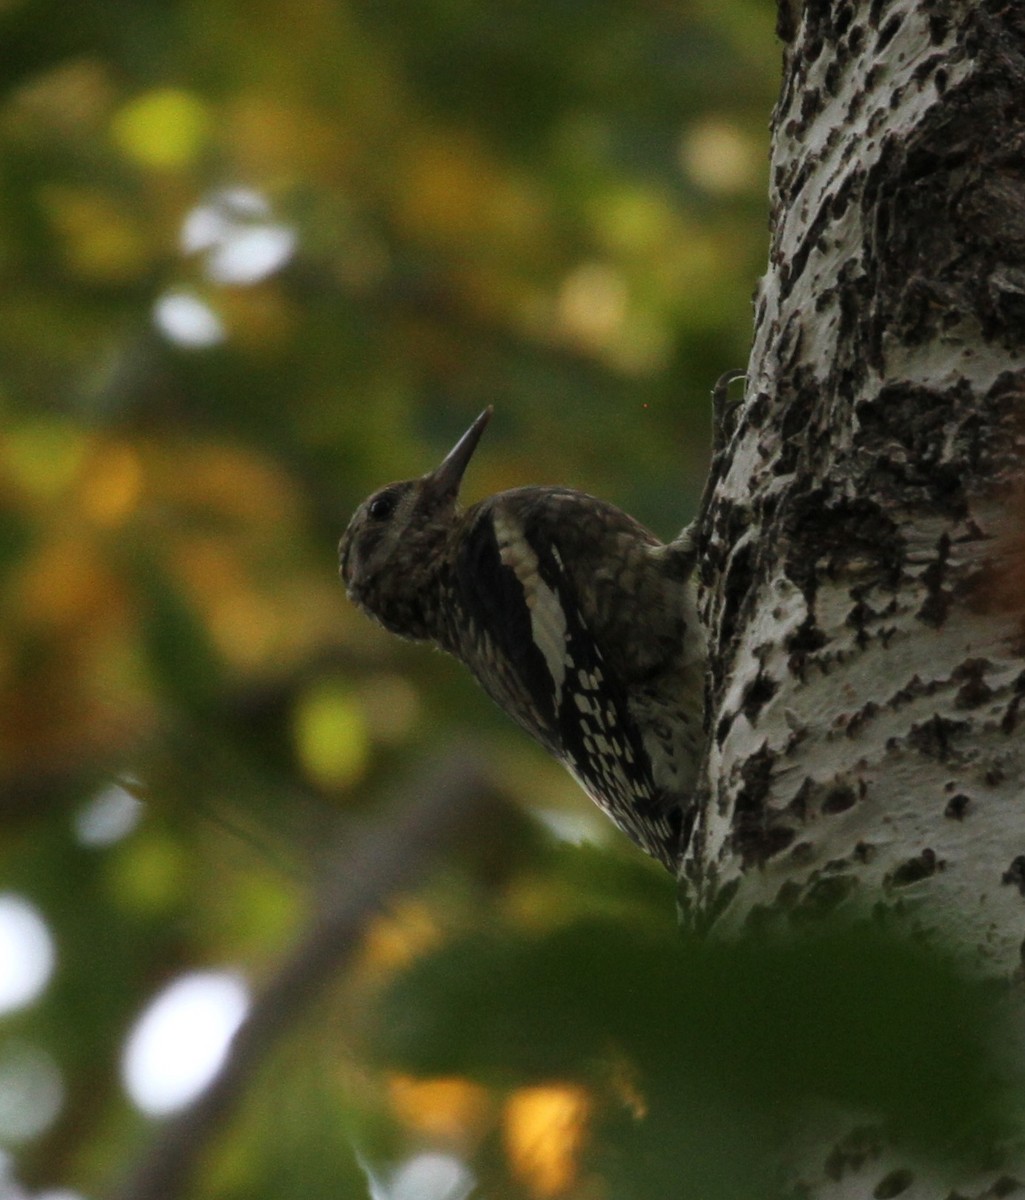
(868,667)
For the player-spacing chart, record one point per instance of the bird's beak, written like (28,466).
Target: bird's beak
(444,481)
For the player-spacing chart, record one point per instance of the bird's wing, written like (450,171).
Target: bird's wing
(545,666)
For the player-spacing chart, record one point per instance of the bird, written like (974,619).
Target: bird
(572,616)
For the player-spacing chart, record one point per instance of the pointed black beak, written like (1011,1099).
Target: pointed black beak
(444,481)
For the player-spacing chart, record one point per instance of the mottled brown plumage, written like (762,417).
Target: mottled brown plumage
(573,617)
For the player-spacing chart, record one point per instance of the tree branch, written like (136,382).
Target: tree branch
(425,818)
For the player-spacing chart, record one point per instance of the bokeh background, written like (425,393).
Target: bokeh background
(257,259)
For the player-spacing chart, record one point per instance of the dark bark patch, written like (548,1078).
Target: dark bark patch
(757,695)
(1009,721)
(893,1184)
(855,42)
(800,805)
(1005,1186)
(839,799)
(858,619)
(914,870)
(957,806)
(800,855)
(814,798)
(831,78)
(736,590)
(910,691)
(837,533)
(757,835)
(939,24)
(835,866)
(920,447)
(937,602)
(806,639)
(825,894)
(887,33)
(1015,874)
(954,201)
(797,416)
(928,69)
(758,409)
(852,1152)
(994,775)
(974,689)
(811,105)
(934,738)
(875,12)
(766,844)
(861,718)
(842,198)
(722,900)
(857,104)
(788,895)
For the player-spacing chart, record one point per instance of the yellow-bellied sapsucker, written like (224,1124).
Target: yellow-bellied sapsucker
(573,617)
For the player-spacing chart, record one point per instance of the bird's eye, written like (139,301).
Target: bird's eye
(382,507)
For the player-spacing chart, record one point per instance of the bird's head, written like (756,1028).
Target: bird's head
(391,552)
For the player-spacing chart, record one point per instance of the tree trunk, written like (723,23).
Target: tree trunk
(860,550)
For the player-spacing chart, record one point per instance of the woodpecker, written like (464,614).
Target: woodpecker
(573,617)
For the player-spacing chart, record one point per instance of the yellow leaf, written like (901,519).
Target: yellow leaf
(147,874)
(103,241)
(43,456)
(331,735)
(162,128)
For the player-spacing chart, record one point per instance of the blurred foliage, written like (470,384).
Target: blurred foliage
(700,1061)
(256,260)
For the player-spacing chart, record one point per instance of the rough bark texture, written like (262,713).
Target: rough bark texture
(868,672)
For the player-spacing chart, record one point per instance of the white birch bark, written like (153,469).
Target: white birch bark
(868,674)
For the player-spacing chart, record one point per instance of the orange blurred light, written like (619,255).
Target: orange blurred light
(270,139)
(244,627)
(451,1110)
(229,482)
(454,190)
(112,484)
(544,1132)
(65,584)
(396,939)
